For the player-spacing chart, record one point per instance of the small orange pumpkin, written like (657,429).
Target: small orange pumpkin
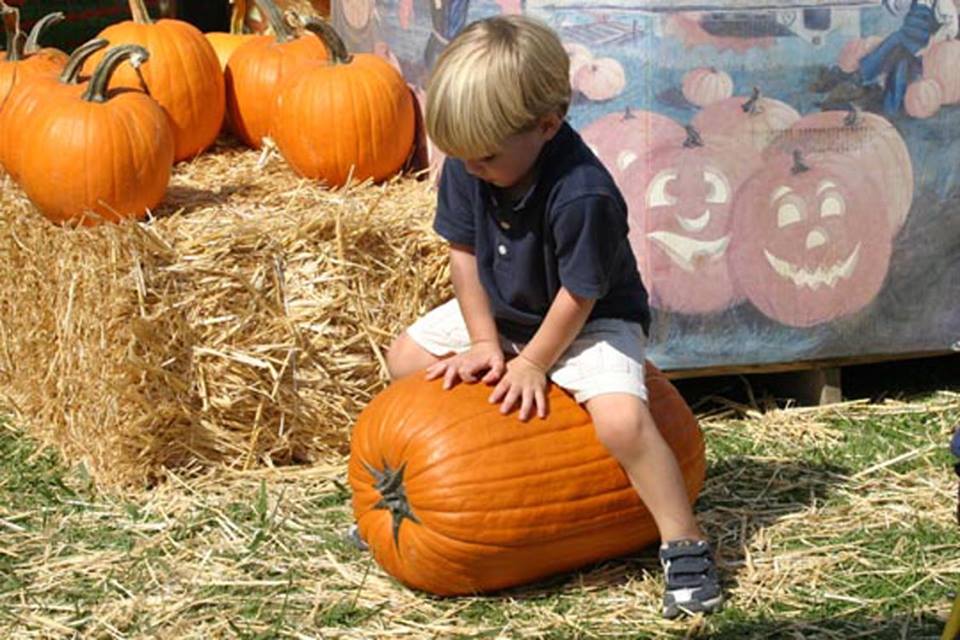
(99,153)
(183,75)
(226,43)
(257,70)
(451,501)
(30,95)
(354,117)
(24,58)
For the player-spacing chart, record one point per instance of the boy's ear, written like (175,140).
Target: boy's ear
(550,124)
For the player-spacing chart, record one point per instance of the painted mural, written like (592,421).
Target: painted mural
(792,169)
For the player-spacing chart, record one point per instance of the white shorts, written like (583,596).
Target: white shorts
(606,357)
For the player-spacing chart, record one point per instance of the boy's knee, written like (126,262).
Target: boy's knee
(405,357)
(622,431)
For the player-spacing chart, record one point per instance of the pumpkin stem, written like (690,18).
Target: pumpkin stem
(71,72)
(44,23)
(100,80)
(752,106)
(694,139)
(139,13)
(238,16)
(393,496)
(282,31)
(334,43)
(854,114)
(15,37)
(798,164)
(628,113)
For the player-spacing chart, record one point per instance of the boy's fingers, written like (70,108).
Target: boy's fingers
(526,405)
(450,378)
(541,398)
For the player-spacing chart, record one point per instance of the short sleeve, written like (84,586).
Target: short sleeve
(590,233)
(454,220)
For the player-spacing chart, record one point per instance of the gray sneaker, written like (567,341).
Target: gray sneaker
(690,574)
(352,536)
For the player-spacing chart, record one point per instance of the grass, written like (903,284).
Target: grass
(834,523)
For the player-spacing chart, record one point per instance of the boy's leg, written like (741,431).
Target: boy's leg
(439,333)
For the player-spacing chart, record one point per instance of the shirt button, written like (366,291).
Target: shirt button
(502,250)
(504,224)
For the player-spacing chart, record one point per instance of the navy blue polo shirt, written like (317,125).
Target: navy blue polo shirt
(569,230)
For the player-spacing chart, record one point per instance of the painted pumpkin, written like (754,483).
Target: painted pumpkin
(620,139)
(224,44)
(755,119)
(33,94)
(579,56)
(870,140)
(111,153)
(183,76)
(811,240)
(257,21)
(923,99)
(681,205)
(450,500)
(600,79)
(350,118)
(854,50)
(706,85)
(24,58)
(257,70)
(942,63)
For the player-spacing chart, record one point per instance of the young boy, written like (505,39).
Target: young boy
(542,270)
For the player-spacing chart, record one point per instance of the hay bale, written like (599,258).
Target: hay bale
(244,325)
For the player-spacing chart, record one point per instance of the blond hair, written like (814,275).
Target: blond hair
(498,77)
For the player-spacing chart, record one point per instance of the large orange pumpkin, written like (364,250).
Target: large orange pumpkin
(30,95)
(455,498)
(24,58)
(226,43)
(354,117)
(257,70)
(183,75)
(100,153)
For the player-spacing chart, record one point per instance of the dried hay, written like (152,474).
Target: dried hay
(244,325)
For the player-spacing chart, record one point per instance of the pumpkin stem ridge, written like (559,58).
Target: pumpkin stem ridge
(71,72)
(238,13)
(100,80)
(798,164)
(334,43)
(854,113)
(393,496)
(44,23)
(139,13)
(15,38)
(282,31)
(694,139)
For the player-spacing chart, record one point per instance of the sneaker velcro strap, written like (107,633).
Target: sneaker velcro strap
(685,550)
(687,566)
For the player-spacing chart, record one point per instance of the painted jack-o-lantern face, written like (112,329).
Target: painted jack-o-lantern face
(680,216)
(813,242)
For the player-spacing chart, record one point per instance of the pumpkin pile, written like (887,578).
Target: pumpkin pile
(450,500)
(336,117)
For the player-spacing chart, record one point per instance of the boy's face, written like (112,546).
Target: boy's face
(512,165)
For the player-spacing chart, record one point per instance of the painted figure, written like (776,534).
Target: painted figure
(449,17)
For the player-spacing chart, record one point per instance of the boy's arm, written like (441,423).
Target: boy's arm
(473,301)
(564,320)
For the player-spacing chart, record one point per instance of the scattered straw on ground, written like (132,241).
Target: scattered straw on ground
(833,523)
(245,325)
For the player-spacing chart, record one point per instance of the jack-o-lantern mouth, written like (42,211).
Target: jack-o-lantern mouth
(688,253)
(823,275)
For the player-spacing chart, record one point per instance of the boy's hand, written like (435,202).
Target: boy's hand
(525,381)
(467,366)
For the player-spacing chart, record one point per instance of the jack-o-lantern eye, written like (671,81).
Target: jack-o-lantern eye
(719,189)
(657,192)
(832,205)
(625,159)
(789,212)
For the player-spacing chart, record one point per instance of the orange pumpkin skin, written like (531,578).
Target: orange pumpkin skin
(23,59)
(224,44)
(109,154)
(498,502)
(32,94)
(183,75)
(257,70)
